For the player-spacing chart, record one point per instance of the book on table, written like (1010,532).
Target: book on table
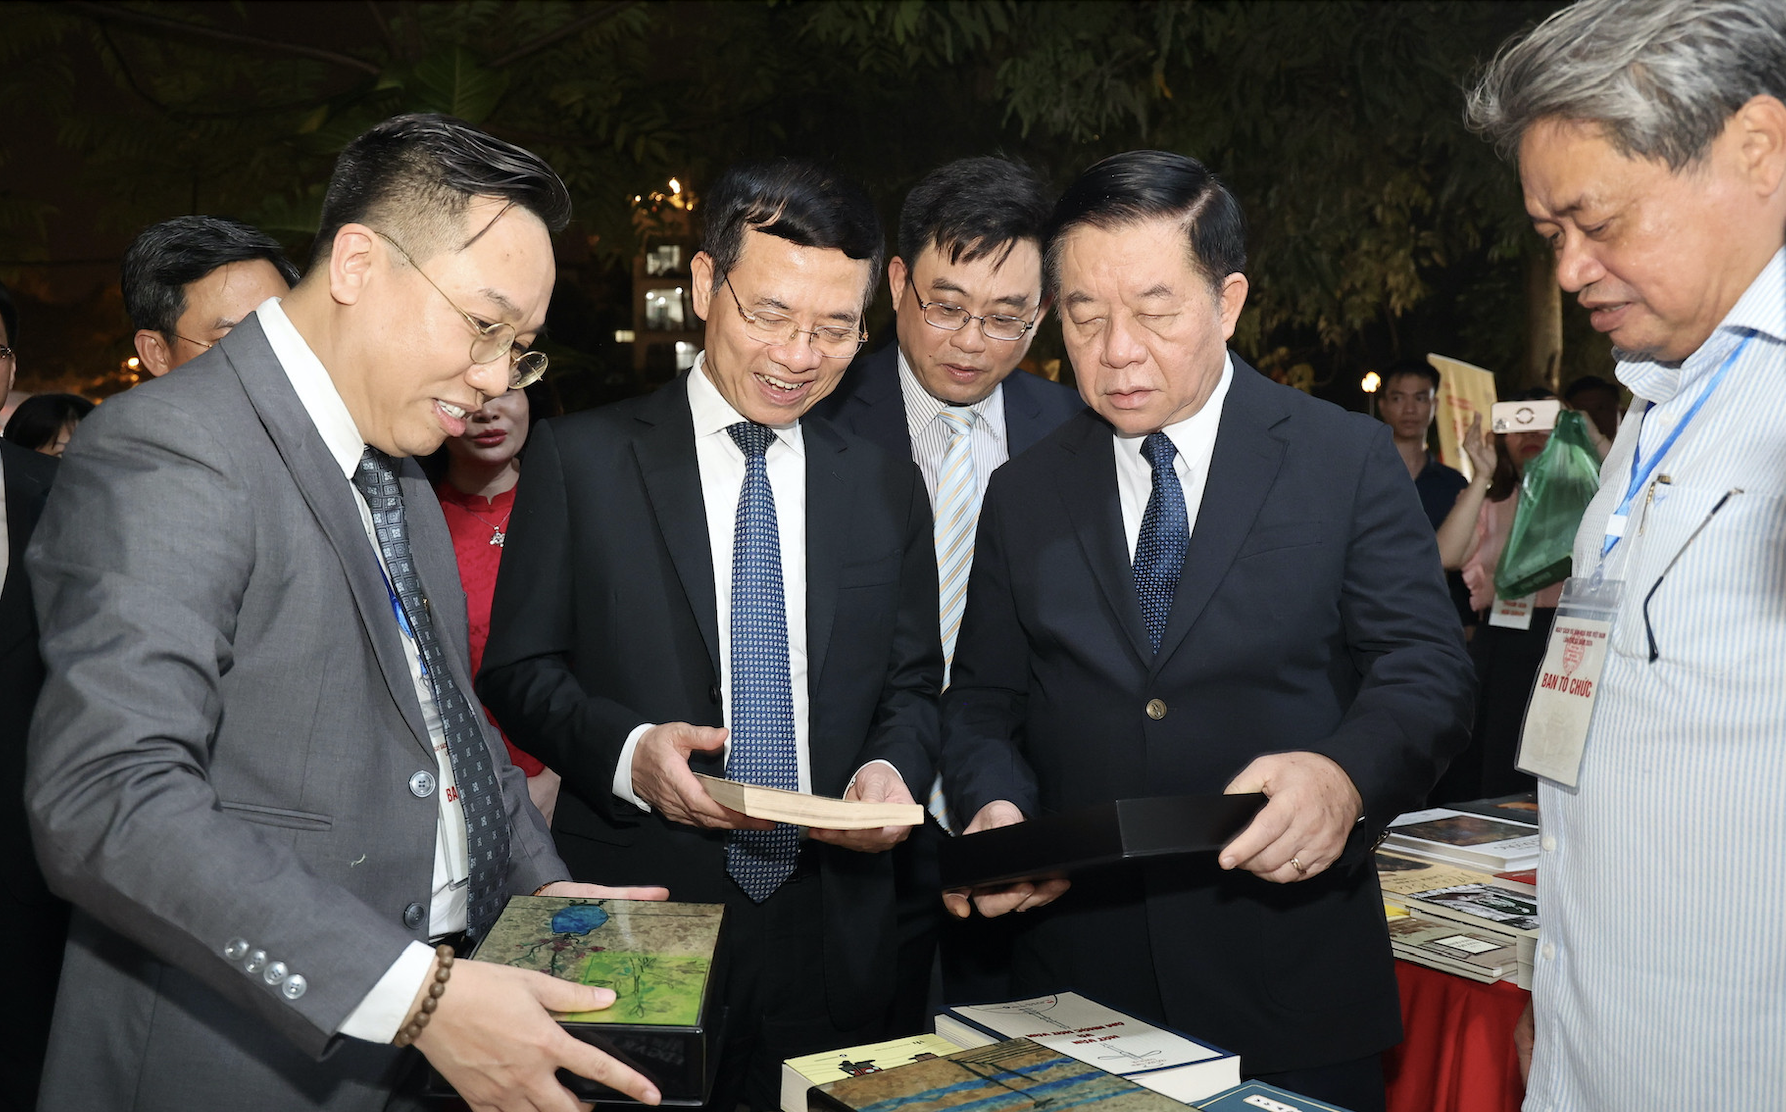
(1257,1096)
(1443,944)
(1016,1075)
(1161,1059)
(661,961)
(1485,906)
(1519,807)
(798,1075)
(805,809)
(1400,876)
(1459,838)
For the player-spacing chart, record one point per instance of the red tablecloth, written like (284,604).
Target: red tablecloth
(1457,1051)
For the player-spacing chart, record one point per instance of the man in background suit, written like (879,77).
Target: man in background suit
(711,556)
(1209,582)
(189,280)
(255,768)
(37,920)
(967,296)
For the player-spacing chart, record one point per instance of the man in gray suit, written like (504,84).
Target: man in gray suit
(254,768)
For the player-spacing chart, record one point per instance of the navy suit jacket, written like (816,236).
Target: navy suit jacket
(1311,615)
(870,404)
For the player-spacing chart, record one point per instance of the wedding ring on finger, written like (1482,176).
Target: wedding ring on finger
(1300,867)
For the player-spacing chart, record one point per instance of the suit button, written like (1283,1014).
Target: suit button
(236,949)
(294,986)
(421,785)
(1156,709)
(713,693)
(412,915)
(257,961)
(275,973)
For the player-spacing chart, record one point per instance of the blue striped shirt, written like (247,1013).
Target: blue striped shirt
(1660,979)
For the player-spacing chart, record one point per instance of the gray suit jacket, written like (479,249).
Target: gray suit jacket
(223,748)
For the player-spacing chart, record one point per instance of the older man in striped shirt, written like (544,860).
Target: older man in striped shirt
(1651,141)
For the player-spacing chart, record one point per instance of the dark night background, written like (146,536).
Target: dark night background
(1380,228)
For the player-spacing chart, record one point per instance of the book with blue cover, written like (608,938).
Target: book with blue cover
(1012,1076)
(1257,1096)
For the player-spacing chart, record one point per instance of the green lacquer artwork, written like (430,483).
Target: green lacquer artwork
(655,956)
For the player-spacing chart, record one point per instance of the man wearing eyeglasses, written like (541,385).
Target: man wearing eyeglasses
(710,580)
(189,280)
(256,769)
(967,294)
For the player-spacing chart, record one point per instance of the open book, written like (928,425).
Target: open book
(801,809)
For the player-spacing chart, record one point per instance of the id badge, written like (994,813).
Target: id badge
(1568,682)
(1512,613)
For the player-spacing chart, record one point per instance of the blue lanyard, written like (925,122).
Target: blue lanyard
(1641,471)
(403,619)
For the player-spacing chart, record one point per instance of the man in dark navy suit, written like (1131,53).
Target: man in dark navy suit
(967,291)
(1207,582)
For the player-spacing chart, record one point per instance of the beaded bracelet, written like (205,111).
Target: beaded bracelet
(443,972)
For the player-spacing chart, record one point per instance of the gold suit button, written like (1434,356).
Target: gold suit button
(1156,709)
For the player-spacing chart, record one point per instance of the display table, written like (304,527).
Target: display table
(1457,1050)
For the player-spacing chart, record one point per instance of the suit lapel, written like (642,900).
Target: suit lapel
(829,512)
(330,497)
(24,501)
(1023,414)
(1241,472)
(666,455)
(1088,488)
(880,403)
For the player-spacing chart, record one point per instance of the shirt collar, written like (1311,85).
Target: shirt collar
(713,414)
(315,389)
(1761,309)
(1197,429)
(922,407)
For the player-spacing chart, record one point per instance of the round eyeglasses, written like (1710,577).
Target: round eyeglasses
(493,341)
(830,341)
(953,318)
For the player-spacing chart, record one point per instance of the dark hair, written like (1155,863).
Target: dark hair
(973,208)
(799,201)
(169,255)
(40,417)
(413,177)
(1586,384)
(1146,185)
(1507,477)
(9,315)
(1411,368)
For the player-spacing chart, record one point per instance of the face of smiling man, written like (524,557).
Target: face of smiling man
(1146,332)
(815,287)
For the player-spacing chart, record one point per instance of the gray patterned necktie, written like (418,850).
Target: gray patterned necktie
(486,820)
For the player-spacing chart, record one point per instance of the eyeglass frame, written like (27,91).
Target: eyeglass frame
(924,311)
(517,381)
(754,318)
(7,353)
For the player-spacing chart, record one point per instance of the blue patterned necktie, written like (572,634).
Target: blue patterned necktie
(762,726)
(1165,534)
(474,772)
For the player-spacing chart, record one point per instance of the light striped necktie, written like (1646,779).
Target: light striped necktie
(957,514)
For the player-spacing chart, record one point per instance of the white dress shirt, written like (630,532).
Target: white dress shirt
(381,1012)
(930,435)
(721,464)
(1194,437)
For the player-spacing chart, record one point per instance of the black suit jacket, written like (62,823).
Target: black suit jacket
(604,618)
(1311,615)
(870,404)
(37,921)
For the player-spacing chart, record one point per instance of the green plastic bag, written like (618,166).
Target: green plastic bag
(1555,492)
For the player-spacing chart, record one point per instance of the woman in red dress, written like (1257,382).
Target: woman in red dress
(477,494)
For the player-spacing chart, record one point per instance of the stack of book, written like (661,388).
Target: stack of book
(1460,888)
(1011,1075)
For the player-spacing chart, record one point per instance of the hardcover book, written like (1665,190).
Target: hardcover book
(1121,830)
(660,960)
(1163,1060)
(1442,944)
(799,1075)
(1013,1076)
(1473,841)
(1257,1096)
(1487,906)
(1401,876)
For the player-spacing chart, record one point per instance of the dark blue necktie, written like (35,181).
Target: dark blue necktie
(486,820)
(762,725)
(1165,534)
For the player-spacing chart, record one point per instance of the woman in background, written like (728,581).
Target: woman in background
(477,494)
(44,422)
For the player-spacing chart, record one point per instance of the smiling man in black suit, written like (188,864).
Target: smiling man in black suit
(1208,582)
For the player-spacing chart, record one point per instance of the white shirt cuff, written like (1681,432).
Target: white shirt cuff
(381,1013)
(623,771)
(876,761)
